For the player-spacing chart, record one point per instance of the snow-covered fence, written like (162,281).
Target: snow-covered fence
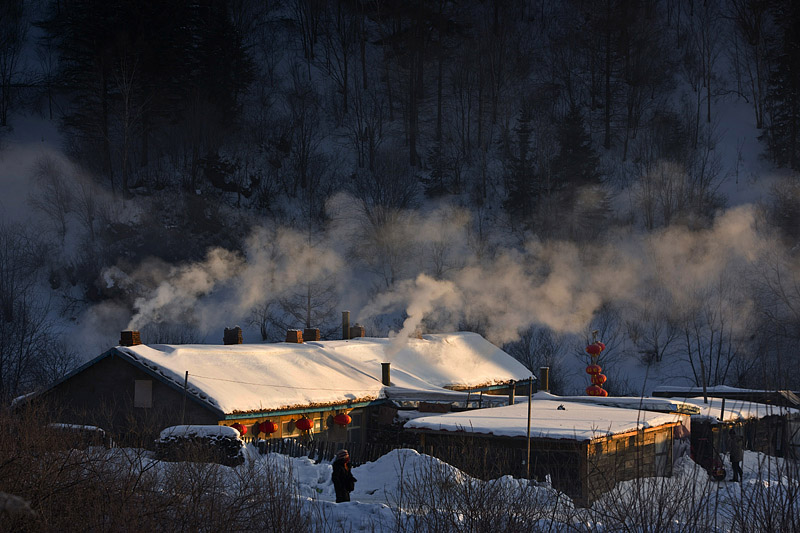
(484,462)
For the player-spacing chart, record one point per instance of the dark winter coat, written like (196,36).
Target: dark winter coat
(735,446)
(343,481)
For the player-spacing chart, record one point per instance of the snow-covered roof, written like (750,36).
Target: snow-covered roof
(576,421)
(244,378)
(709,390)
(199,431)
(664,405)
(736,409)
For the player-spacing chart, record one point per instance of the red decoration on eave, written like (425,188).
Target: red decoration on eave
(240,428)
(342,419)
(304,424)
(268,427)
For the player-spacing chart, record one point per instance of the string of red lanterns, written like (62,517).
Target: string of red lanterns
(596,388)
(304,424)
(342,419)
(268,427)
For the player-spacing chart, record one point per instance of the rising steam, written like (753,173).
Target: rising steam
(443,284)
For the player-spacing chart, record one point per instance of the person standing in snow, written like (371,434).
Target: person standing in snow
(735,446)
(343,480)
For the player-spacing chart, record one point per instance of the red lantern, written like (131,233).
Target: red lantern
(593,369)
(268,427)
(599,379)
(240,428)
(342,419)
(596,390)
(304,424)
(601,345)
(593,349)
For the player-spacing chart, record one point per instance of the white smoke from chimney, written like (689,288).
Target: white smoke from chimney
(226,285)
(419,298)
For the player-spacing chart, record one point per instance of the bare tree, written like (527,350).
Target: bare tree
(13,29)
(54,199)
(29,347)
(750,23)
(339,42)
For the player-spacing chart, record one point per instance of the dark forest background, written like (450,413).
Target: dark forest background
(535,117)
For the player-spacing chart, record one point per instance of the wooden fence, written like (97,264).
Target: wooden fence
(481,461)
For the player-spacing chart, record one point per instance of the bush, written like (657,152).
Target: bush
(213,444)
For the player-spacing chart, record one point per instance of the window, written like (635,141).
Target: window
(662,451)
(143,393)
(354,428)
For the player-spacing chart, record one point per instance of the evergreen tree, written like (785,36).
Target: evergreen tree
(523,190)
(783,92)
(146,65)
(575,164)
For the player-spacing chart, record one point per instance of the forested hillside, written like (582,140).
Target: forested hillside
(530,170)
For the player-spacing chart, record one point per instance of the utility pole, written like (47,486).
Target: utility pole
(185,388)
(530,401)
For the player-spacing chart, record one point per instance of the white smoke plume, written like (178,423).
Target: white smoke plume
(440,281)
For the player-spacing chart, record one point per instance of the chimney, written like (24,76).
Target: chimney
(311,334)
(385,373)
(232,335)
(357,331)
(345,325)
(129,338)
(544,378)
(295,336)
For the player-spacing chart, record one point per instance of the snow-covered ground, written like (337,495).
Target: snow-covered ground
(402,489)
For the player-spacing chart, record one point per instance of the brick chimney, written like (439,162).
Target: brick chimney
(232,335)
(544,378)
(311,334)
(129,338)
(345,325)
(295,336)
(357,331)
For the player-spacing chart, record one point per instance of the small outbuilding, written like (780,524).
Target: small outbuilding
(771,428)
(583,449)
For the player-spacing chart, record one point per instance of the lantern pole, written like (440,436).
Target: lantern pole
(185,387)
(530,400)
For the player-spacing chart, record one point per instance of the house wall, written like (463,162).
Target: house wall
(627,456)
(324,426)
(771,435)
(102,395)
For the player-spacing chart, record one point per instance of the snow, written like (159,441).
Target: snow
(625,402)
(736,409)
(261,377)
(199,431)
(576,421)
(383,496)
(58,425)
(709,390)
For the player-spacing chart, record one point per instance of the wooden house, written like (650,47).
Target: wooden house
(333,390)
(583,449)
(771,428)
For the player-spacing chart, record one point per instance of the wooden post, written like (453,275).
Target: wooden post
(185,388)
(530,401)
